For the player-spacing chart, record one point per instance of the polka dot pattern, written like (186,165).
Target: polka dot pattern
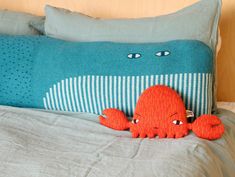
(16,65)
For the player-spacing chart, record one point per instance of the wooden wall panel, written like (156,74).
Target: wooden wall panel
(145,8)
(226,58)
(101,8)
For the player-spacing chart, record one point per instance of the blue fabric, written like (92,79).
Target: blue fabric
(42,72)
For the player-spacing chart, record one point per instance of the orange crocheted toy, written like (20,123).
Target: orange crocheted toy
(161,111)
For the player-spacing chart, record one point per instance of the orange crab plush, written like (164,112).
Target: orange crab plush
(161,111)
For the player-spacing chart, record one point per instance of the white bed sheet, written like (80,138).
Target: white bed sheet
(227,105)
(34,143)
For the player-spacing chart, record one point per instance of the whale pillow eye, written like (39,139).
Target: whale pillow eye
(134,55)
(135,121)
(177,122)
(162,53)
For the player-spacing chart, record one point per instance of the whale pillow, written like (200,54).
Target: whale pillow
(46,73)
(196,22)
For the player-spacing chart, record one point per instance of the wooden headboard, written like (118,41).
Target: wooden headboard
(146,8)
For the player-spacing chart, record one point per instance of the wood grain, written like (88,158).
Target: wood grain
(147,8)
(226,58)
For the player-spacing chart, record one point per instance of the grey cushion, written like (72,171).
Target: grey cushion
(17,23)
(188,23)
(38,25)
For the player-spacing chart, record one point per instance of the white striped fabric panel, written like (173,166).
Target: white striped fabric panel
(96,93)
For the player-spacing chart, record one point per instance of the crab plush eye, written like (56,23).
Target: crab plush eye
(177,122)
(134,55)
(162,53)
(135,121)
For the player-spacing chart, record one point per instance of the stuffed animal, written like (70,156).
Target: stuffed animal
(161,111)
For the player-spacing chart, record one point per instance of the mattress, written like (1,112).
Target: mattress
(35,143)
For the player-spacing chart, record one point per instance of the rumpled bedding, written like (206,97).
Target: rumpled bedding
(35,143)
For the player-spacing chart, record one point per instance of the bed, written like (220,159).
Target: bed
(38,139)
(44,144)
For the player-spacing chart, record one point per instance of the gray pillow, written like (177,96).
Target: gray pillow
(199,21)
(38,25)
(17,23)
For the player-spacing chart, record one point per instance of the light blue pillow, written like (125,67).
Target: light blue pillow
(17,23)
(42,72)
(38,25)
(196,22)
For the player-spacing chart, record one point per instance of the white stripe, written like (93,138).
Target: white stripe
(133,93)
(203,93)
(59,94)
(161,79)
(206,94)
(80,93)
(106,92)
(180,84)
(142,84)
(111,91)
(189,90)
(67,94)
(176,83)
(48,101)
(198,93)
(45,103)
(156,80)
(194,92)
(52,100)
(185,87)
(166,79)
(152,80)
(93,94)
(56,97)
(102,92)
(128,96)
(98,94)
(119,92)
(63,94)
(210,94)
(124,93)
(146,82)
(115,91)
(171,80)
(72,95)
(89,94)
(76,94)
(84,84)
(137,87)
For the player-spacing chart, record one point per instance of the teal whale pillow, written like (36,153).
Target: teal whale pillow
(42,72)
(196,22)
